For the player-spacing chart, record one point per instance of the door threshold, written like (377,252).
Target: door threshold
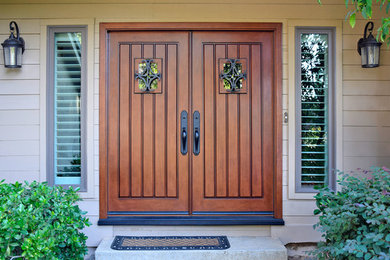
(190,220)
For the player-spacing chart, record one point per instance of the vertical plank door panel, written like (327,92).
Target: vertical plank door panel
(160,132)
(146,174)
(220,124)
(233,133)
(124,147)
(173,136)
(209,116)
(148,128)
(245,132)
(135,128)
(257,111)
(242,138)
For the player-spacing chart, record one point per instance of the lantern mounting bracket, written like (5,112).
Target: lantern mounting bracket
(12,29)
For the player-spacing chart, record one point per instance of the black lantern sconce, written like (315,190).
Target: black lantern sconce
(369,48)
(13,48)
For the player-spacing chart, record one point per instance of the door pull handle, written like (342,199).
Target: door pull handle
(183,127)
(196,132)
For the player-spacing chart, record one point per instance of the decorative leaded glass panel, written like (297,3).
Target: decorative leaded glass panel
(233,75)
(148,75)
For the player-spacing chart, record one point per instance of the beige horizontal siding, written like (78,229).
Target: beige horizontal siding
(365,162)
(19,117)
(8,102)
(367,148)
(370,134)
(366,88)
(366,118)
(19,87)
(19,163)
(18,132)
(26,72)
(19,147)
(176,12)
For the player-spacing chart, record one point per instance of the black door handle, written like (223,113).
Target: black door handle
(183,126)
(196,132)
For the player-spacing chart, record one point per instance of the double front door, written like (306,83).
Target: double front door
(189,123)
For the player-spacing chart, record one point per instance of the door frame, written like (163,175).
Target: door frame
(106,28)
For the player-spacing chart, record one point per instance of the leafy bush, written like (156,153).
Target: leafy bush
(356,220)
(40,222)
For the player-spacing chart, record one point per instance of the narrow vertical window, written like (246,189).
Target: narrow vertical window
(66,73)
(314,108)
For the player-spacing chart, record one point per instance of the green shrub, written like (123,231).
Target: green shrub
(40,222)
(356,220)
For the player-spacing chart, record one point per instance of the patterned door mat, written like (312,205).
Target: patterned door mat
(170,243)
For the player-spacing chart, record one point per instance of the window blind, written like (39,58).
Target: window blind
(314,109)
(67,107)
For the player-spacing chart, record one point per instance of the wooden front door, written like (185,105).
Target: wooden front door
(146,171)
(234,171)
(189,123)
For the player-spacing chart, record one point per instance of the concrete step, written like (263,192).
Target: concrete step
(248,248)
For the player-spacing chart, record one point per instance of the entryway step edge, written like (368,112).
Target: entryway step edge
(246,248)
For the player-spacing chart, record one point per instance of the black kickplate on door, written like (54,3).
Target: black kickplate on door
(170,243)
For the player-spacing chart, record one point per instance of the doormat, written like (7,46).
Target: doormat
(170,243)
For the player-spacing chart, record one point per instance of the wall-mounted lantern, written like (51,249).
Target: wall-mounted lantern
(369,48)
(13,48)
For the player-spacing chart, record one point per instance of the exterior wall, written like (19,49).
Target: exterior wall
(363,101)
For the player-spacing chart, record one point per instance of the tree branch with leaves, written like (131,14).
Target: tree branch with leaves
(364,8)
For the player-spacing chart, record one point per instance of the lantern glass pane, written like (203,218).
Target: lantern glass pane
(370,56)
(12,55)
(6,56)
(18,53)
(364,56)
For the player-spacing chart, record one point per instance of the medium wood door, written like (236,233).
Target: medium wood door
(234,171)
(228,82)
(146,171)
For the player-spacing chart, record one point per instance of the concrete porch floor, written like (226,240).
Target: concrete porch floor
(248,248)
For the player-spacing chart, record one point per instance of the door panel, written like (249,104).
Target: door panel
(147,173)
(234,171)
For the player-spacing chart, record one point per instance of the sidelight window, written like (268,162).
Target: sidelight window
(66,120)
(314,111)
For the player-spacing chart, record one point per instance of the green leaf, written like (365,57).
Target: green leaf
(388,237)
(352,20)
